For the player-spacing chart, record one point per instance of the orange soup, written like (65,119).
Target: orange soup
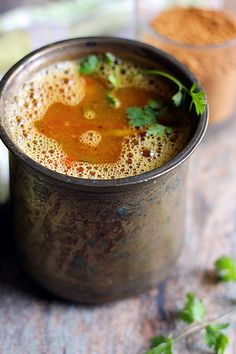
(112,122)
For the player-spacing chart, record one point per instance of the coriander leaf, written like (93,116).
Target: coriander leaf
(158,130)
(135,116)
(109,58)
(113,101)
(155,104)
(197,96)
(89,65)
(178,98)
(149,114)
(169,130)
(158,107)
(157,340)
(139,117)
(215,338)
(112,80)
(163,345)
(194,309)
(198,99)
(226,268)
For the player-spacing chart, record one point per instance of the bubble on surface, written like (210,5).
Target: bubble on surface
(62,83)
(90,138)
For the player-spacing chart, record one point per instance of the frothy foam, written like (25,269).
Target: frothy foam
(62,83)
(91,138)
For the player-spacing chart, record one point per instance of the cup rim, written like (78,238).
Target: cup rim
(166,40)
(104,183)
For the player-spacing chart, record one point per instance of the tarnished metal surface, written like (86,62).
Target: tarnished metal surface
(97,247)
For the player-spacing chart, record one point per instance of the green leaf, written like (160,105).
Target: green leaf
(163,345)
(226,268)
(155,104)
(158,107)
(194,309)
(139,117)
(135,116)
(198,99)
(150,114)
(157,340)
(178,98)
(113,101)
(112,80)
(197,96)
(169,130)
(109,58)
(147,116)
(159,130)
(89,65)
(215,338)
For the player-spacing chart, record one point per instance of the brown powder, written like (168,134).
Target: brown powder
(195,26)
(215,67)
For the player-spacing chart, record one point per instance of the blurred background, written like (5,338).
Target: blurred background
(29,24)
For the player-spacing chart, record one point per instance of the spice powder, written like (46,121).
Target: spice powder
(199,40)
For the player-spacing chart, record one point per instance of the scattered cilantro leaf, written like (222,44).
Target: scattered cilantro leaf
(89,65)
(226,268)
(158,107)
(150,114)
(215,338)
(169,130)
(157,130)
(161,345)
(113,101)
(178,98)
(198,99)
(197,96)
(135,116)
(139,117)
(157,340)
(148,117)
(155,104)
(194,309)
(112,79)
(109,58)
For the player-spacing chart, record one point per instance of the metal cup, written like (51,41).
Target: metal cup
(97,240)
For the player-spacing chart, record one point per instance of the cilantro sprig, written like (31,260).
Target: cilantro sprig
(112,79)
(194,309)
(89,65)
(194,312)
(161,345)
(215,338)
(109,58)
(92,63)
(148,117)
(226,268)
(197,96)
(113,100)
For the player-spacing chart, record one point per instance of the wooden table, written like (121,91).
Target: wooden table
(32,321)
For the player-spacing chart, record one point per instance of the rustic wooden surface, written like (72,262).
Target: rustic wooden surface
(32,321)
